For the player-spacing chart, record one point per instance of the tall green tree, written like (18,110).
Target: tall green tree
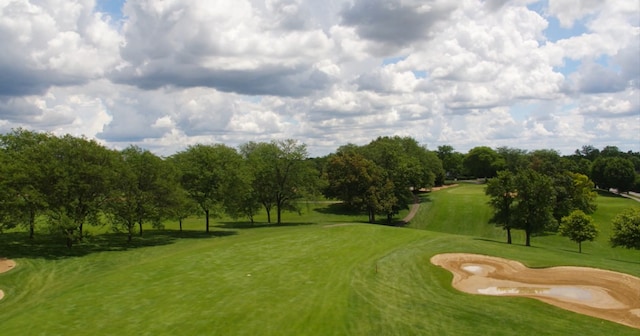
(533,209)
(212,175)
(6,196)
(81,175)
(588,152)
(451,161)
(620,174)
(144,192)
(350,174)
(514,159)
(610,152)
(23,178)
(403,172)
(260,158)
(282,174)
(424,165)
(359,183)
(578,227)
(573,191)
(502,192)
(483,162)
(292,174)
(545,161)
(626,229)
(613,172)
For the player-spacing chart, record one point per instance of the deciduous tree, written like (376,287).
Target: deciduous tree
(451,161)
(23,179)
(483,162)
(613,172)
(514,159)
(626,229)
(81,173)
(619,174)
(573,192)
(360,183)
(578,227)
(144,191)
(502,192)
(211,175)
(533,209)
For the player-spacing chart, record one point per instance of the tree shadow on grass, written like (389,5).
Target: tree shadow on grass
(51,246)
(626,261)
(504,242)
(339,209)
(605,193)
(424,197)
(256,225)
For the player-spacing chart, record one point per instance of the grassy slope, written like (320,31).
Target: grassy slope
(306,279)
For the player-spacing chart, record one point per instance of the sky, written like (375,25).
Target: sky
(166,74)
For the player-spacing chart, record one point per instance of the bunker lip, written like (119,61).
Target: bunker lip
(595,292)
(5,265)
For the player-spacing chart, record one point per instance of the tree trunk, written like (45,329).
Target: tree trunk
(579,247)
(69,235)
(180,221)
(80,230)
(372,215)
(130,234)
(140,225)
(279,212)
(508,235)
(268,209)
(32,223)
(206,215)
(389,218)
(528,238)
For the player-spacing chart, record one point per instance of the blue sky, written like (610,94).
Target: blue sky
(529,74)
(111,7)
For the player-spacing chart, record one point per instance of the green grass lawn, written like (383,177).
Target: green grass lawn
(298,279)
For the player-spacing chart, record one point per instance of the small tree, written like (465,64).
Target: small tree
(578,227)
(626,229)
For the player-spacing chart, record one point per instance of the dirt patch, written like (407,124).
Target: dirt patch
(6,265)
(599,293)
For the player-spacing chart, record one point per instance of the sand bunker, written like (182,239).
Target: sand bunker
(603,294)
(6,265)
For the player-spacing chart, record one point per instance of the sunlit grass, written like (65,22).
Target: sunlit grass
(302,278)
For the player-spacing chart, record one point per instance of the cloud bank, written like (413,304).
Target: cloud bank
(167,74)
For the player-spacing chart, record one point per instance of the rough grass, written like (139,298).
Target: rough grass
(303,279)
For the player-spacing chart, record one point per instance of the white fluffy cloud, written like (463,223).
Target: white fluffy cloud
(172,73)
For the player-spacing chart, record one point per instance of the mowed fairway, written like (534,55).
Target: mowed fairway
(305,280)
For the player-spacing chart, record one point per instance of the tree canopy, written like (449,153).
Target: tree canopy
(212,175)
(483,162)
(578,227)
(626,229)
(502,193)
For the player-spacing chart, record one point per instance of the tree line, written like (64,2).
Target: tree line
(543,191)
(63,183)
